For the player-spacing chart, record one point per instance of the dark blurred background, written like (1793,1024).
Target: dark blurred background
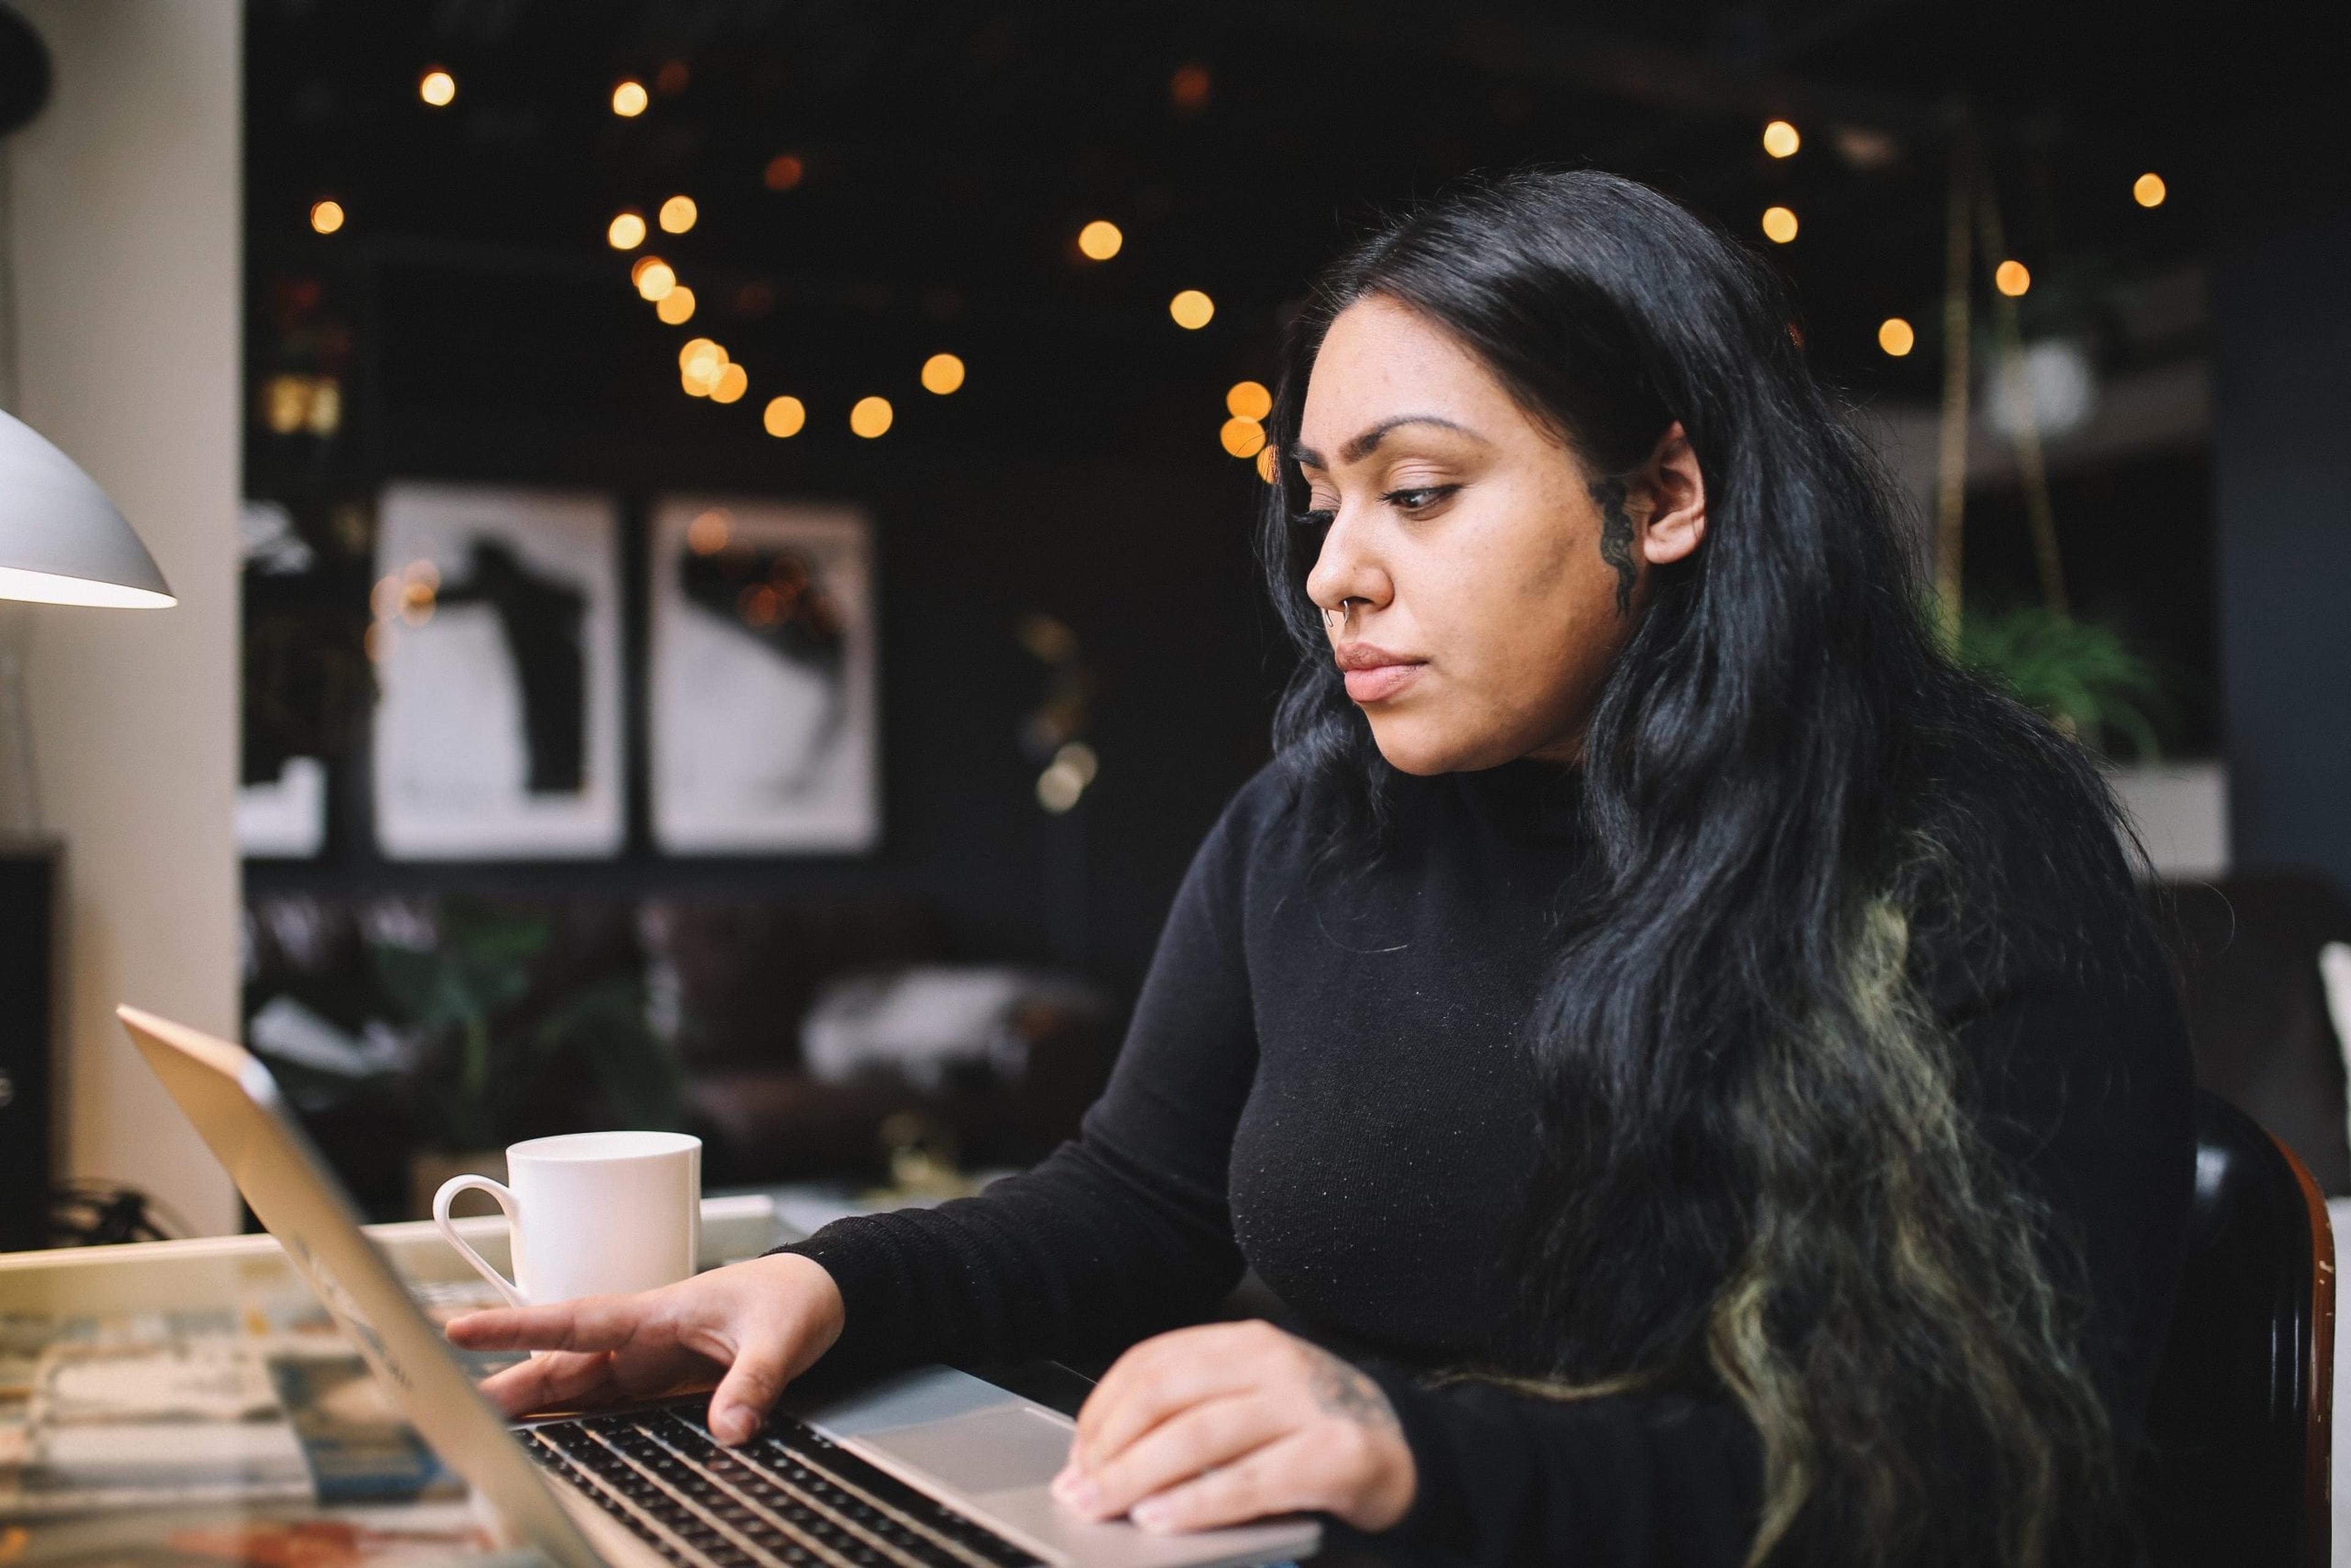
(1062,545)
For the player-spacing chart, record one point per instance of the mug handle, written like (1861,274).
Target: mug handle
(506,1200)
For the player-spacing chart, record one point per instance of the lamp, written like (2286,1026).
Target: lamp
(61,542)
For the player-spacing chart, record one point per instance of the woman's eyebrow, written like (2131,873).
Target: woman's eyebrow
(1364,444)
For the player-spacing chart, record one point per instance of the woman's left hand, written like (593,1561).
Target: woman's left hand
(1228,1422)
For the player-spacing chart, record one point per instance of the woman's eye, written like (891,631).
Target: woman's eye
(1419,497)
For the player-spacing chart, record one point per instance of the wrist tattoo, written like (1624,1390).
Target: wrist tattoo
(1616,538)
(1339,1390)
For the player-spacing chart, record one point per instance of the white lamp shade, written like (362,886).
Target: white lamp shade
(62,540)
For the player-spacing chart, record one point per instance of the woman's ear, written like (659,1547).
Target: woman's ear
(1675,524)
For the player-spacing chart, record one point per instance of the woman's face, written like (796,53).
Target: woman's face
(1476,583)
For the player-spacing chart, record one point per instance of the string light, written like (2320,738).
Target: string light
(700,363)
(654,279)
(1249,400)
(1242,437)
(942,374)
(733,382)
(1191,310)
(784,416)
(784,171)
(708,533)
(676,308)
(677,215)
(437,87)
(1267,468)
(1781,139)
(871,417)
(1100,240)
(2011,279)
(1779,224)
(2149,190)
(1895,337)
(629,99)
(626,231)
(327,217)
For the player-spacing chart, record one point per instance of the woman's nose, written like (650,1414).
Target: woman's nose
(1344,570)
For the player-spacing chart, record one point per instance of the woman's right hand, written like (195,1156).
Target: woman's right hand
(755,1325)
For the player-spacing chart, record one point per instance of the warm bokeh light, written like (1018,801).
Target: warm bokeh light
(629,99)
(733,382)
(327,217)
(942,374)
(871,417)
(677,308)
(784,416)
(416,601)
(2011,279)
(1191,310)
(677,215)
(654,279)
(1242,437)
(626,231)
(437,87)
(1100,239)
(1780,140)
(1895,337)
(1267,468)
(784,171)
(2149,190)
(709,531)
(1189,88)
(638,267)
(1779,224)
(1249,400)
(700,363)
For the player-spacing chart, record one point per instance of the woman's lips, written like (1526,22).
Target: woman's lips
(1375,675)
(1379,682)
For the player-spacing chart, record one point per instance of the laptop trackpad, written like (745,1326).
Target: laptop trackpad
(985,1451)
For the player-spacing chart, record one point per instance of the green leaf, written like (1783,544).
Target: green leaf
(2080,674)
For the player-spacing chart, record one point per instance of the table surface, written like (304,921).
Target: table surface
(159,1282)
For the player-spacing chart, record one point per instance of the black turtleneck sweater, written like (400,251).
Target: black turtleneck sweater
(1325,1081)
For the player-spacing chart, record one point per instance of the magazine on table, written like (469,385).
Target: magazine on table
(263,1402)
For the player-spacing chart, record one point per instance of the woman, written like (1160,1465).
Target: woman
(1686,1054)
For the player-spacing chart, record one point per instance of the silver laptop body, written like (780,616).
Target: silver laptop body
(931,1468)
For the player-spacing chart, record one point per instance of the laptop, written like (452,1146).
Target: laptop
(930,1468)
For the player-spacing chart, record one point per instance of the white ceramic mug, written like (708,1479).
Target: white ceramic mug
(590,1214)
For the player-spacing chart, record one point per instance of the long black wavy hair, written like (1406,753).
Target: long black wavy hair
(1740,1081)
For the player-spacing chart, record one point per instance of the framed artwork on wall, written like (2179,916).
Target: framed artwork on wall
(761,691)
(497,641)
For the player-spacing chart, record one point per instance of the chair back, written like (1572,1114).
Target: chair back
(2240,1419)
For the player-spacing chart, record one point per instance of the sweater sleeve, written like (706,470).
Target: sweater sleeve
(2082,1086)
(1122,1232)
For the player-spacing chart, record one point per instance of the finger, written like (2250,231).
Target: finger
(763,1364)
(591,1322)
(1190,1444)
(1275,1479)
(551,1381)
(1166,1374)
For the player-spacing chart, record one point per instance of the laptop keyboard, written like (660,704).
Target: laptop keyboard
(789,1496)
